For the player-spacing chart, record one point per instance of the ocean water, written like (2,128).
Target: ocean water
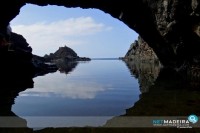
(101,93)
(80,94)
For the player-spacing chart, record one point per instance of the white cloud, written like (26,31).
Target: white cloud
(74,91)
(68,32)
(56,84)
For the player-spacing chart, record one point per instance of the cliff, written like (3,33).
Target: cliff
(140,51)
(16,56)
(18,42)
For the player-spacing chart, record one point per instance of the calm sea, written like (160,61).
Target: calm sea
(87,94)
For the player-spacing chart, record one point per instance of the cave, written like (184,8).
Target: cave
(170,27)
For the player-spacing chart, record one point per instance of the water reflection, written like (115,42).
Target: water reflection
(66,66)
(86,97)
(59,86)
(165,92)
(15,79)
(56,84)
(169,93)
(145,72)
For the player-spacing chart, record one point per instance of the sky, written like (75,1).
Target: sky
(89,32)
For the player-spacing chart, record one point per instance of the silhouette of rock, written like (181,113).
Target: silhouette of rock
(64,53)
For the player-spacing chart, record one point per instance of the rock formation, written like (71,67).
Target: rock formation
(16,55)
(64,59)
(140,51)
(64,53)
(18,42)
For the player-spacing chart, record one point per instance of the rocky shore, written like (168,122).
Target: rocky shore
(16,54)
(140,51)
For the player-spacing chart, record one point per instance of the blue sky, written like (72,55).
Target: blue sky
(89,32)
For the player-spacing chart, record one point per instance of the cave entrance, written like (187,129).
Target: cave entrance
(90,32)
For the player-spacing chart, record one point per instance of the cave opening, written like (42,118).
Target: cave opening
(90,32)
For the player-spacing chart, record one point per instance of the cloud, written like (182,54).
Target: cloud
(57,85)
(74,91)
(72,31)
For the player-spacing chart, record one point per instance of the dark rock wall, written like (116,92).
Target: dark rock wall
(177,22)
(18,42)
(17,56)
(170,27)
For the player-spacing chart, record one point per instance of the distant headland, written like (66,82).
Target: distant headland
(50,62)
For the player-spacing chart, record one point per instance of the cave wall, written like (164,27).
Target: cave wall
(170,27)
